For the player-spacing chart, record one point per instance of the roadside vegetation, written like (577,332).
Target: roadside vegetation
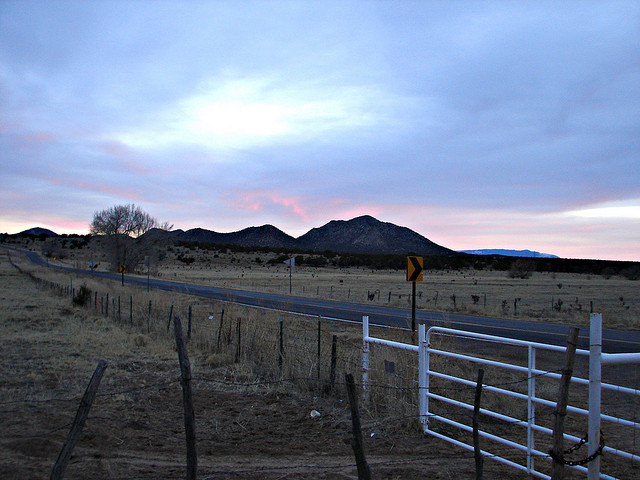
(538,289)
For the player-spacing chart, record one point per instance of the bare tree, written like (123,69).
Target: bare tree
(124,220)
(122,225)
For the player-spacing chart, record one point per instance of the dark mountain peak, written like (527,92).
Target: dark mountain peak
(268,229)
(263,236)
(366,234)
(37,231)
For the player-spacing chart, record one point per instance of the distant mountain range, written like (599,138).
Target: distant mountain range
(363,234)
(509,253)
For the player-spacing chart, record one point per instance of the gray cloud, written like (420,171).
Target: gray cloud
(517,107)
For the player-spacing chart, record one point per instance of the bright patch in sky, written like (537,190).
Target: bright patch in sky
(243,113)
(614,210)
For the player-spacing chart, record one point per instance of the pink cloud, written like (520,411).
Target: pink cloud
(261,201)
(129,193)
(34,140)
(125,157)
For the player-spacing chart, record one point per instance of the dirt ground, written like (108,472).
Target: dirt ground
(135,429)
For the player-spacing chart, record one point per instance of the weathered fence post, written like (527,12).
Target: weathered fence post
(170,314)
(281,349)
(149,317)
(119,310)
(130,309)
(319,336)
(106,314)
(239,334)
(187,400)
(220,329)
(189,324)
(78,423)
(334,360)
(476,434)
(557,453)
(356,441)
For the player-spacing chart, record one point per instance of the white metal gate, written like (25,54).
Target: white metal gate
(595,387)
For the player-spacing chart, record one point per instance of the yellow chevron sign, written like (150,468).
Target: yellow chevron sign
(414,269)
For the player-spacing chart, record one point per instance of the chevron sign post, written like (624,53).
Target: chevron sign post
(414,269)
(414,274)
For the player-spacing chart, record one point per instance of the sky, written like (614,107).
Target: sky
(494,124)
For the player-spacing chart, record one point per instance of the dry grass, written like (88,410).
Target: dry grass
(548,297)
(254,362)
(80,332)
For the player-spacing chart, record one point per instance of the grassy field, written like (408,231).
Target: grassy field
(549,297)
(252,418)
(235,353)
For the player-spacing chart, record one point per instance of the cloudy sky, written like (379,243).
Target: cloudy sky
(505,124)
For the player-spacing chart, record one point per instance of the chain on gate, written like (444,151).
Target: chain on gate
(576,447)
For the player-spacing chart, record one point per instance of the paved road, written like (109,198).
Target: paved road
(614,341)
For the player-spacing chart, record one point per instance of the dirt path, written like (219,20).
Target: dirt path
(135,429)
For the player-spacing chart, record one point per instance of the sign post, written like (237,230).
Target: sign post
(123,269)
(147,262)
(414,274)
(291,263)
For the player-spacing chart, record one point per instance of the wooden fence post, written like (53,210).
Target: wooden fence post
(281,349)
(220,329)
(238,345)
(130,309)
(356,441)
(57,472)
(189,324)
(149,317)
(187,400)
(170,314)
(476,435)
(319,336)
(334,360)
(557,453)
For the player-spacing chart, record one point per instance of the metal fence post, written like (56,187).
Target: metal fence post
(531,408)
(595,392)
(365,355)
(422,374)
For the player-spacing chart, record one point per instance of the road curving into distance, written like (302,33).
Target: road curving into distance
(614,341)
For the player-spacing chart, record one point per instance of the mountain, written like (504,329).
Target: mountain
(264,236)
(509,253)
(37,231)
(359,235)
(366,234)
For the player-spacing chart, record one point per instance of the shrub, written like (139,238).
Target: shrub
(632,272)
(82,296)
(522,268)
